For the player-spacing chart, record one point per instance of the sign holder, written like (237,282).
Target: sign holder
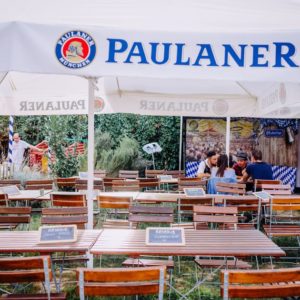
(10,190)
(194,192)
(262,196)
(165,236)
(57,234)
(165,177)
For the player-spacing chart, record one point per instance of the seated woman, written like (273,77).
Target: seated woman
(221,173)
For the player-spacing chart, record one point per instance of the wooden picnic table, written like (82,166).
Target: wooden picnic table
(198,242)
(28,241)
(136,196)
(30,195)
(36,195)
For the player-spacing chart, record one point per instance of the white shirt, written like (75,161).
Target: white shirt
(202,166)
(18,150)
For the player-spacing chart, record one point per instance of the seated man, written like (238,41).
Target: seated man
(257,169)
(206,165)
(241,164)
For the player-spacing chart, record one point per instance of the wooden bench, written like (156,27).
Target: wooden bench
(214,215)
(205,216)
(11,217)
(249,204)
(231,188)
(115,206)
(100,173)
(175,173)
(277,189)
(121,281)
(114,202)
(151,214)
(226,263)
(125,185)
(119,224)
(65,216)
(259,182)
(3,200)
(128,174)
(68,199)
(154,173)
(81,184)
(46,184)
(66,182)
(186,205)
(6,182)
(281,223)
(28,270)
(187,182)
(146,183)
(260,283)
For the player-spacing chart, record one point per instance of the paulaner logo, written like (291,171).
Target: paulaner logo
(275,55)
(75,49)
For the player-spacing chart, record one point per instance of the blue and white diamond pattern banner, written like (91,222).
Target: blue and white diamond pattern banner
(191,168)
(286,174)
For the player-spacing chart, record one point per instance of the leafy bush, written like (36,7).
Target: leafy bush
(57,135)
(145,129)
(126,156)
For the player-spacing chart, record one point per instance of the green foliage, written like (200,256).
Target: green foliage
(59,131)
(62,131)
(103,143)
(125,156)
(145,129)
(31,128)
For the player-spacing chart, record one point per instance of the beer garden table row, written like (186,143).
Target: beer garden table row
(136,196)
(244,243)
(132,242)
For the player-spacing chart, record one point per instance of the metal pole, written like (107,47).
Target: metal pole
(90,196)
(180,143)
(227,135)
(153,161)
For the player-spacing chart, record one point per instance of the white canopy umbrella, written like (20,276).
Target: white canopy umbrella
(194,58)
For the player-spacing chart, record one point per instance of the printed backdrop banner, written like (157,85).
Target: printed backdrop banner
(97,51)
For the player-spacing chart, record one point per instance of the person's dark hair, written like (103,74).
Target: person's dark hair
(257,154)
(210,154)
(222,164)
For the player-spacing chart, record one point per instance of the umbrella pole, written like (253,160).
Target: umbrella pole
(90,196)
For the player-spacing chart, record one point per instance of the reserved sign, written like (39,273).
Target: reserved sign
(11,190)
(164,236)
(262,195)
(58,234)
(165,177)
(194,192)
